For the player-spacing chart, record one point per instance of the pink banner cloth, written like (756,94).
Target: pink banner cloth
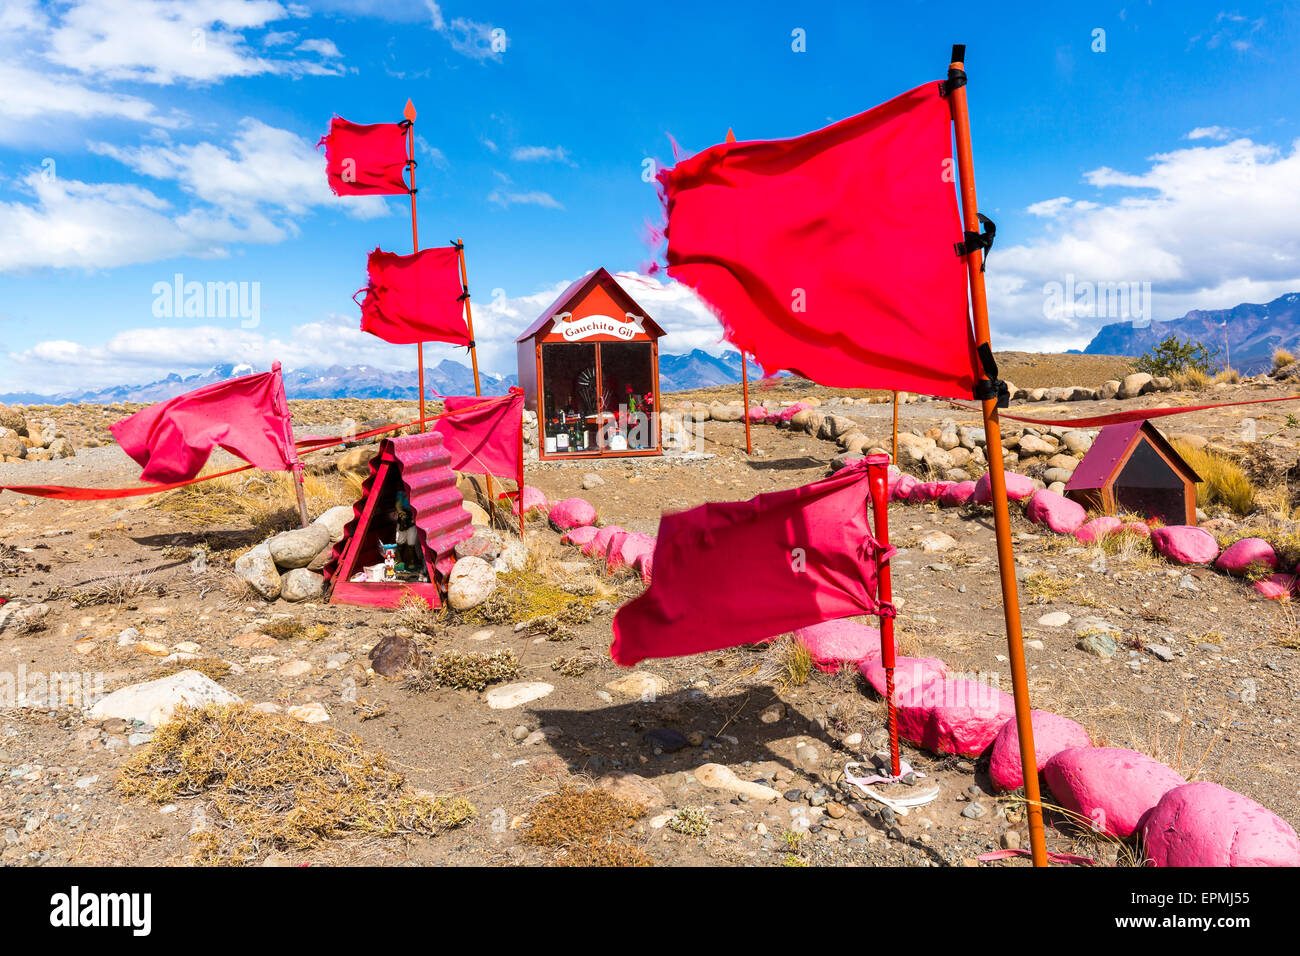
(737,572)
(247,416)
(487,439)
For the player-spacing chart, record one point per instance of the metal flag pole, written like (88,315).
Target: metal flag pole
(955,90)
(295,466)
(744,369)
(409,113)
(473,357)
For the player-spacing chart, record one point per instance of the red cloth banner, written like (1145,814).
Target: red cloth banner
(415,298)
(484,436)
(738,572)
(365,160)
(246,416)
(831,254)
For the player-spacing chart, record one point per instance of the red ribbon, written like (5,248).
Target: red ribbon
(1119,418)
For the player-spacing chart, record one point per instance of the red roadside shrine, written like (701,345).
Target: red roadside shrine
(589,368)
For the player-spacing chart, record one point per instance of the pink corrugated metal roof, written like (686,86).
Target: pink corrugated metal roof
(440,511)
(1110,446)
(576,289)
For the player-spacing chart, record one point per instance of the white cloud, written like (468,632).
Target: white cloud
(73,224)
(1207,226)
(35,101)
(262,165)
(166,41)
(247,192)
(544,154)
(533,198)
(1210,132)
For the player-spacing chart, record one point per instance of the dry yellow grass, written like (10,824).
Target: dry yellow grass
(1229,375)
(1223,481)
(1190,378)
(263,501)
(1282,358)
(272,783)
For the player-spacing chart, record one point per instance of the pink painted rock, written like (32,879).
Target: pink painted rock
(578,536)
(1138,528)
(1241,555)
(758,414)
(1204,824)
(572,513)
(909,672)
(645,564)
(792,411)
(957,493)
(534,500)
(599,542)
(900,489)
(1056,511)
(1019,488)
(1109,787)
(832,643)
(1052,734)
(1097,528)
(614,550)
(924,491)
(954,716)
(1277,587)
(1184,543)
(631,548)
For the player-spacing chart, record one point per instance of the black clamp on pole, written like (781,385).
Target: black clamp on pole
(991,386)
(976,240)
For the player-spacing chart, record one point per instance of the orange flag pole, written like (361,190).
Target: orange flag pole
(744,370)
(409,113)
(956,93)
(473,357)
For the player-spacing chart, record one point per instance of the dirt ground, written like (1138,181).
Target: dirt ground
(1222,708)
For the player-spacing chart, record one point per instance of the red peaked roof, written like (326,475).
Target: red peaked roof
(578,289)
(1111,445)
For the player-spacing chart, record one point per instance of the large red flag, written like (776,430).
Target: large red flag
(831,254)
(486,439)
(246,416)
(737,572)
(415,298)
(365,160)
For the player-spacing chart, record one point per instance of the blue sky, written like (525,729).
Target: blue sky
(143,139)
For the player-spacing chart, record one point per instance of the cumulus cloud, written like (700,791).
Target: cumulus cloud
(535,197)
(1208,226)
(542,154)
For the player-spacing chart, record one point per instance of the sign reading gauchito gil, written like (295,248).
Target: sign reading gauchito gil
(573,330)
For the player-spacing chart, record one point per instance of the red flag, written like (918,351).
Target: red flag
(732,573)
(365,160)
(247,416)
(831,254)
(485,441)
(415,298)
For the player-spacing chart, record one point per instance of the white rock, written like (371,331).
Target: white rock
(302,585)
(1055,619)
(258,568)
(154,702)
(933,542)
(471,581)
(313,713)
(717,777)
(513,695)
(641,685)
(334,521)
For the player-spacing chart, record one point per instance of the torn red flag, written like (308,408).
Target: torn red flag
(247,416)
(365,160)
(831,254)
(738,572)
(415,298)
(485,436)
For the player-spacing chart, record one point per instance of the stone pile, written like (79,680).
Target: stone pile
(23,439)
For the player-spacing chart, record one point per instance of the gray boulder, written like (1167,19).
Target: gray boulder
(257,567)
(299,547)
